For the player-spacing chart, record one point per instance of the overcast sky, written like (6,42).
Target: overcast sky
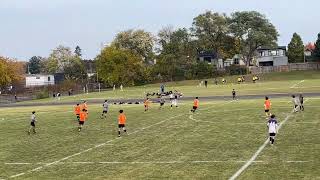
(35,27)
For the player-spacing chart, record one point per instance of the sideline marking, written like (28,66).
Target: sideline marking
(293,86)
(155,162)
(255,155)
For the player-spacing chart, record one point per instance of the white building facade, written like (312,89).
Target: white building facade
(39,80)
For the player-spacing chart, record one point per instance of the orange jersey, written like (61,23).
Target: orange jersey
(267,104)
(83,116)
(122,119)
(196,103)
(84,106)
(146,102)
(77,110)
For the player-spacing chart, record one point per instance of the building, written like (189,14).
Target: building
(39,80)
(271,56)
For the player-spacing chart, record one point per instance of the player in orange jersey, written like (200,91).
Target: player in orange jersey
(77,110)
(267,106)
(122,122)
(146,104)
(83,118)
(195,104)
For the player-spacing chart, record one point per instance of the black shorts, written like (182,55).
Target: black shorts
(104,112)
(121,125)
(161,104)
(33,124)
(81,122)
(195,107)
(266,110)
(272,134)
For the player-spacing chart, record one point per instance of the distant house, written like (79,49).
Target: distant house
(208,56)
(308,50)
(271,56)
(39,80)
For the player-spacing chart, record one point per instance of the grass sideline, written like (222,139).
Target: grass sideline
(213,144)
(273,83)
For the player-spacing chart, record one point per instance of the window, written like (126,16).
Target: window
(48,78)
(236,61)
(38,77)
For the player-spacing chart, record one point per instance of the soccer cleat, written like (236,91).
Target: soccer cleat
(119,135)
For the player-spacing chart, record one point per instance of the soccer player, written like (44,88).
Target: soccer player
(162,101)
(77,110)
(33,123)
(146,104)
(273,128)
(296,103)
(174,101)
(122,122)
(105,107)
(233,94)
(195,104)
(267,106)
(254,78)
(83,118)
(223,81)
(84,105)
(301,98)
(239,80)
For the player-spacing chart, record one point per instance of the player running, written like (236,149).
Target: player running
(83,118)
(77,110)
(296,103)
(195,104)
(146,104)
(174,101)
(267,106)
(301,99)
(161,101)
(122,122)
(233,94)
(33,123)
(84,105)
(272,128)
(105,110)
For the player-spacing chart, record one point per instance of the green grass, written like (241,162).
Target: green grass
(269,83)
(224,134)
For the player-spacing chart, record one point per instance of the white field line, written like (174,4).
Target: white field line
(246,123)
(293,86)
(156,162)
(94,147)
(255,155)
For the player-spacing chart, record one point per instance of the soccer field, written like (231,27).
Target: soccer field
(273,83)
(216,142)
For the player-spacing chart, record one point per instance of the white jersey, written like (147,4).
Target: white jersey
(105,106)
(296,101)
(272,125)
(33,118)
(171,96)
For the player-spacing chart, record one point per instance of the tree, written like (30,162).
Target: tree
(138,41)
(211,30)
(75,70)
(252,30)
(177,53)
(119,66)
(59,57)
(34,65)
(78,51)
(316,52)
(295,49)
(10,71)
